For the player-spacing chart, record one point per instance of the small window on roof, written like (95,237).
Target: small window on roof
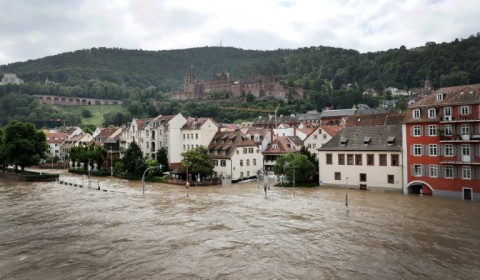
(343,140)
(440,96)
(367,139)
(390,140)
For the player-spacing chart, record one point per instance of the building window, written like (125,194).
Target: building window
(215,163)
(238,152)
(432,150)
(241,162)
(417,170)
(349,159)
(466,172)
(432,130)
(196,135)
(394,160)
(417,130)
(244,150)
(465,129)
(370,160)
(416,113)
(449,171)
(440,96)
(248,162)
(363,177)
(447,130)
(358,159)
(223,163)
(338,176)
(341,159)
(329,158)
(250,150)
(382,159)
(417,150)
(184,147)
(254,161)
(447,111)
(464,110)
(390,179)
(433,170)
(432,113)
(448,150)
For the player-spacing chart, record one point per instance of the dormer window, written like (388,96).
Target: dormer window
(366,140)
(432,113)
(343,140)
(416,113)
(256,137)
(391,140)
(440,96)
(275,147)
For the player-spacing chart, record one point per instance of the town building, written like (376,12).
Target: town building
(198,132)
(55,140)
(442,143)
(363,157)
(11,79)
(235,155)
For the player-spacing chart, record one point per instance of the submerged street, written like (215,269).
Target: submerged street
(55,231)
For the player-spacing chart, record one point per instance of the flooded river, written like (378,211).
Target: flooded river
(54,231)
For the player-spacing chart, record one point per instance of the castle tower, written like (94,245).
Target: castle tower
(189,81)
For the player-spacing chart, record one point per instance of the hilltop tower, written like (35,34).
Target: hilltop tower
(189,81)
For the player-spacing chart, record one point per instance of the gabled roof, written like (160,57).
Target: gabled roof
(332,130)
(281,145)
(386,118)
(353,139)
(195,123)
(55,137)
(448,96)
(338,113)
(228,141)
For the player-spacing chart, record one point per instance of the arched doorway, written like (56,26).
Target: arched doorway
(419,187)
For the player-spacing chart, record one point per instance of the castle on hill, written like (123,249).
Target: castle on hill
(222,86)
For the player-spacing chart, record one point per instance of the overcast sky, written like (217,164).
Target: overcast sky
(32,29)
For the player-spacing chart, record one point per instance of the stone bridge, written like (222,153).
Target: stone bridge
(75,101)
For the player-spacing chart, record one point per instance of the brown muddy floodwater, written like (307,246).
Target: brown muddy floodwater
(54,231)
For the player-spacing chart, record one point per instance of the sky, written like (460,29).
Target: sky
(32,29)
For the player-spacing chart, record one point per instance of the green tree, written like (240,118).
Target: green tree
(133,161)
(162,158)
(198,160)
(24,145)
(86,113)
(311,157)
(292,162)
(3,159)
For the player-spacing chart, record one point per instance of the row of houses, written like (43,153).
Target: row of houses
(433,148)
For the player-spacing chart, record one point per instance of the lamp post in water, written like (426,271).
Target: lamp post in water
(143,177)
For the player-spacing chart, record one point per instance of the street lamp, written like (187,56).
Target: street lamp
(346,194)
(143,177)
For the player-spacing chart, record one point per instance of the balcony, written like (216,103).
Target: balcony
(460,160)
(459,118)
(460,138)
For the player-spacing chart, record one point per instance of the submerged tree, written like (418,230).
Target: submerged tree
(23,145)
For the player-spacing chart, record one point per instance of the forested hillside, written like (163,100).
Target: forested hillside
(331,76)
